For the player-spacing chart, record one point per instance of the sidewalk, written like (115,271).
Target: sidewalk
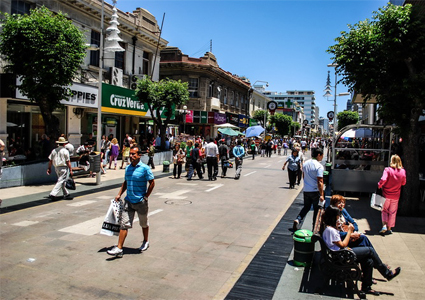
(25,196)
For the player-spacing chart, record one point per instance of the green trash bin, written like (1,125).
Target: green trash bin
(303,248)
(166,166)
(328,167)
(326,177)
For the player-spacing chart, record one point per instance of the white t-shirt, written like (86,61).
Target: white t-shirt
(211,150)
(312,169)
(59,156)
(331,235)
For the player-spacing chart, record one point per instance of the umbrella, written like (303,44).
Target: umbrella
(357,133)
(228,131)
(254,131)
(226,125)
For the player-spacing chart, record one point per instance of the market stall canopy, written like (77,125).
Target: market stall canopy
(228,131)
(226,125)
(357,133)
(254,131)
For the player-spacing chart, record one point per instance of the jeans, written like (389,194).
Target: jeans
(292,177)
(177,170)
(238,163)
(310,198)
(223,168)
(212,165)
(195,166)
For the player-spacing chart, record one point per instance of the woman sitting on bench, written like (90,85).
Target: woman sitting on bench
(366,256)
(357,239)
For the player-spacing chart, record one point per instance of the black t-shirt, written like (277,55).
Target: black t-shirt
(222,150)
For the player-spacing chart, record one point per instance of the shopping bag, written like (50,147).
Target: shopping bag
(377,201)
(111,223)
(70,184)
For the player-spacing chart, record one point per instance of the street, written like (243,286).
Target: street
(203,234)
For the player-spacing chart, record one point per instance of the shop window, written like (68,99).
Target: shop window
(145,63)
(120,58)
(20,7)
(94,55)
(193,87)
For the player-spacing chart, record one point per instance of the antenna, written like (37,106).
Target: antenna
(211,46)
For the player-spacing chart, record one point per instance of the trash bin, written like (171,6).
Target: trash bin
(94,163)
(328,167)
(303,248)
(165,166)
(326,177)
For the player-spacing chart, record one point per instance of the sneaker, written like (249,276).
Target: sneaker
(117,252)
(393,274)
(388,232)
(295,225)
(383,230)
(53,198)
(67,196)
(144,246)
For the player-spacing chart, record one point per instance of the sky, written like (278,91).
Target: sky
(282,42)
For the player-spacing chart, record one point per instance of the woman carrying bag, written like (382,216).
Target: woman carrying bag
(391,181)
(294,165)
(178,161)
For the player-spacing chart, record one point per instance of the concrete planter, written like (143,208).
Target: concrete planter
(27,175)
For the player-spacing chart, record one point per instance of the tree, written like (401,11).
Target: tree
(162,98)
(347,118)
(296,126)
(46,50)
(282,123)
(259,116)
(385,58)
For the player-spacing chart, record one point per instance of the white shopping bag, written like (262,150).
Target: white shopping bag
(111,224)
(377,201)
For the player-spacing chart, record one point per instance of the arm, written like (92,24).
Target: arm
(349,219)
(68,163)
(320,187)
(383,179)
(344,243)
(121,191)
(49,168)
(150,188)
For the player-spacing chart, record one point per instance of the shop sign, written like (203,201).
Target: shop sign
(243,121)
(253,122)
(82,95)
(219,118)
(210,117)
(232,119)
(189,116)
(204,117)
(196,116)
(120,100)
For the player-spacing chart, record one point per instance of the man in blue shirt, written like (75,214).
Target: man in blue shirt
(137,177)
(238,152)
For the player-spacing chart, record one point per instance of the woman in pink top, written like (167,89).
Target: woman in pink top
(391,181)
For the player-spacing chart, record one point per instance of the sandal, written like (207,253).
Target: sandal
(393,274)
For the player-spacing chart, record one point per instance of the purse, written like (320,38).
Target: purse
(377,201)
(70,184)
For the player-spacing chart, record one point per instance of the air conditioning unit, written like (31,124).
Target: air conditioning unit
(134,79)
(116,76)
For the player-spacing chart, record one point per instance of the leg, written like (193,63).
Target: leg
(391,210)
(121,238)
(174,170)
(215,168)
(179,170)
(308,201)
(209,167)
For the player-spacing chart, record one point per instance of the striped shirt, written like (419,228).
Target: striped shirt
(137,181)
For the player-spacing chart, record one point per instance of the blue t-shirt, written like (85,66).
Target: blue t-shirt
(293,162)
(137,181)
(312,169)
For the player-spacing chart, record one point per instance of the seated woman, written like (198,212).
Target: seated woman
(357,239)
(366,256)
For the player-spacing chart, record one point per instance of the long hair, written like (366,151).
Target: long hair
(396,162)
(329,218)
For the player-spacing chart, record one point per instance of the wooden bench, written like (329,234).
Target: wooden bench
(339,265)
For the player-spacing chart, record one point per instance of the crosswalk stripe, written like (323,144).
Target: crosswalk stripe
(250,173)
(25,223)
(215,187)
(82,203)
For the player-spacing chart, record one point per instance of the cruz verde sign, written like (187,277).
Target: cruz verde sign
(118,100)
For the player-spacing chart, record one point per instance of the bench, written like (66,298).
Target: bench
(339,265)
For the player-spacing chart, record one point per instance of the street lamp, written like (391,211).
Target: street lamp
(184,112)
(335,125)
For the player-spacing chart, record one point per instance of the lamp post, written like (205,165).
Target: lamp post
(335,125)
(184,113)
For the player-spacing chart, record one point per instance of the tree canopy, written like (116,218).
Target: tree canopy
(347,118)
(46,50)
(162,98)
(282,123)
(384,59)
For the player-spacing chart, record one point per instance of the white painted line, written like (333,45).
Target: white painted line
(154,212)
(184,183)
(25,223)
(82,203)
(176,195)
(89,227)
(267,166)
(250,173)
(105,197)
(215,186)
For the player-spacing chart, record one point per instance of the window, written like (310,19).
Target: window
(225,96)
(219,92)
(120,58)
(94,55)
(20,7)
(237,100)
(145,66)
(193,87)
(210,90)
(232,98)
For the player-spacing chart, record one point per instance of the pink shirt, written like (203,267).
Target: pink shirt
(391,182)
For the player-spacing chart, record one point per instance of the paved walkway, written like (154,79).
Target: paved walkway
(403,248)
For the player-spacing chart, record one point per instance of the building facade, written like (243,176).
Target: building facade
(21,119)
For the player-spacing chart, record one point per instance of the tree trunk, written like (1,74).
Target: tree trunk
(50,121)
(410,204)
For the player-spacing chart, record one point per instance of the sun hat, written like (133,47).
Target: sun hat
(61,140)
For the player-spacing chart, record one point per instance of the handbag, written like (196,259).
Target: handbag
(70,184)
(111,223)
(377,201)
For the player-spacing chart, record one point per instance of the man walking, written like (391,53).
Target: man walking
(238,152)
(313,186)
(59,157)
(137,176)
(212,154)
(224,156)
(196,162)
